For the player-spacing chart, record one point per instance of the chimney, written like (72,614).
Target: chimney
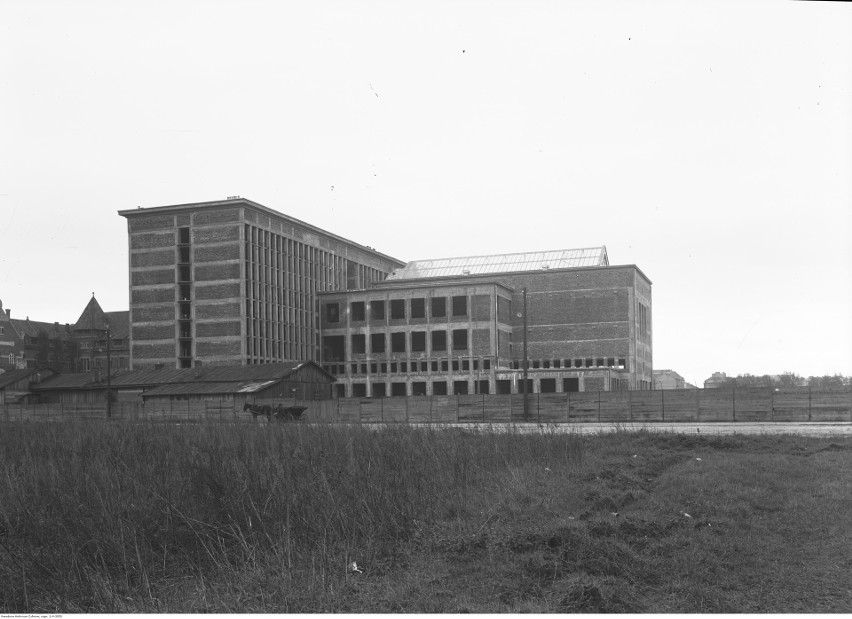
(8,313)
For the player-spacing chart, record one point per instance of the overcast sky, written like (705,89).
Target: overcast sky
(708,143)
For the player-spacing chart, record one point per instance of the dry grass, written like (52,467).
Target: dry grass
(154,518)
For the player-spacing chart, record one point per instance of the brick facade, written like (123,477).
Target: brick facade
(584,332)
(233,282)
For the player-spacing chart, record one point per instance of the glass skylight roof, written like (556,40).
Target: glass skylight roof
(503,263)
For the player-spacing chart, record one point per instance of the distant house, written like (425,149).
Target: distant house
(719,379)
(668,379)
(291,380)
(81,347)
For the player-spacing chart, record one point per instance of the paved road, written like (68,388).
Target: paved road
(827,428)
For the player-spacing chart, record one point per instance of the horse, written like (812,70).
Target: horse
(256,410)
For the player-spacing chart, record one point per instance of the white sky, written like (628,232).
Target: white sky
(708,143)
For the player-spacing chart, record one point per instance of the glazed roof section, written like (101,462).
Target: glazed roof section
(503,263)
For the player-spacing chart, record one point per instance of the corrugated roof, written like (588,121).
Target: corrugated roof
(12,376)
(503,263)
(203,388)
(211,373)
(224,374)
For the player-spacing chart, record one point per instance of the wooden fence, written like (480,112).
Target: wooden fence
(695,405)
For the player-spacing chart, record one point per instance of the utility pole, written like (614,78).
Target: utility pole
(109,373)
(526,363)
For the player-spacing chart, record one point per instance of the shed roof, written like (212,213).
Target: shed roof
(223,374)
(205,388)
(503,263)
(12,376)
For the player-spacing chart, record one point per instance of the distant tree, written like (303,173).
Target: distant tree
(789,379)
(827,382)
(745,381)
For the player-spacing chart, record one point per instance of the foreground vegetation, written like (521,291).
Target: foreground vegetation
(156,518)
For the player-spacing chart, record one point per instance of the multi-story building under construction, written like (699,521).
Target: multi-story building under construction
(465,325)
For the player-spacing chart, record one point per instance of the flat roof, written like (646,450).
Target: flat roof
(139,211)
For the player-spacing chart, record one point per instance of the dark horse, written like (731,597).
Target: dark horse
(279,413)
(255,410)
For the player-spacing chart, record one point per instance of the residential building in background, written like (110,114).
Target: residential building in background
(234,282)
(718,379)
(458,326)
(668,379)
(63,347)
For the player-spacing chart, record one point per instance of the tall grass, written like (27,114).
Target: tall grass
(119,517)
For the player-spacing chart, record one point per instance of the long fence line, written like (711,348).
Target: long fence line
(687,405)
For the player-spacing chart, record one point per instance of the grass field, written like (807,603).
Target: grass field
(236,518)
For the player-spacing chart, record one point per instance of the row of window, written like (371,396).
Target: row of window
(400,309)
(405,367)
(459,387)
(618,363)
(401,343)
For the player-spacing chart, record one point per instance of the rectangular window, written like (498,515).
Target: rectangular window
(439,307)
(459,339)
(439,388)
(398,389)
(377,342)
(359,390)
(359,344)
(418,388)
(377,310)
(397,307)
(332,312)
(445,366)
(356,311)
(570,385)
(439,341)
(418,341)
(379,390)
(332,348)
(418,308)
(403,367)
(459,306)
(398,342)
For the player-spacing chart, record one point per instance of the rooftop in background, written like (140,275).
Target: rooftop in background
(503,263)
(237,201)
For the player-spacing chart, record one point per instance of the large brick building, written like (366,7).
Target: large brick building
(234,282)
(457,325)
